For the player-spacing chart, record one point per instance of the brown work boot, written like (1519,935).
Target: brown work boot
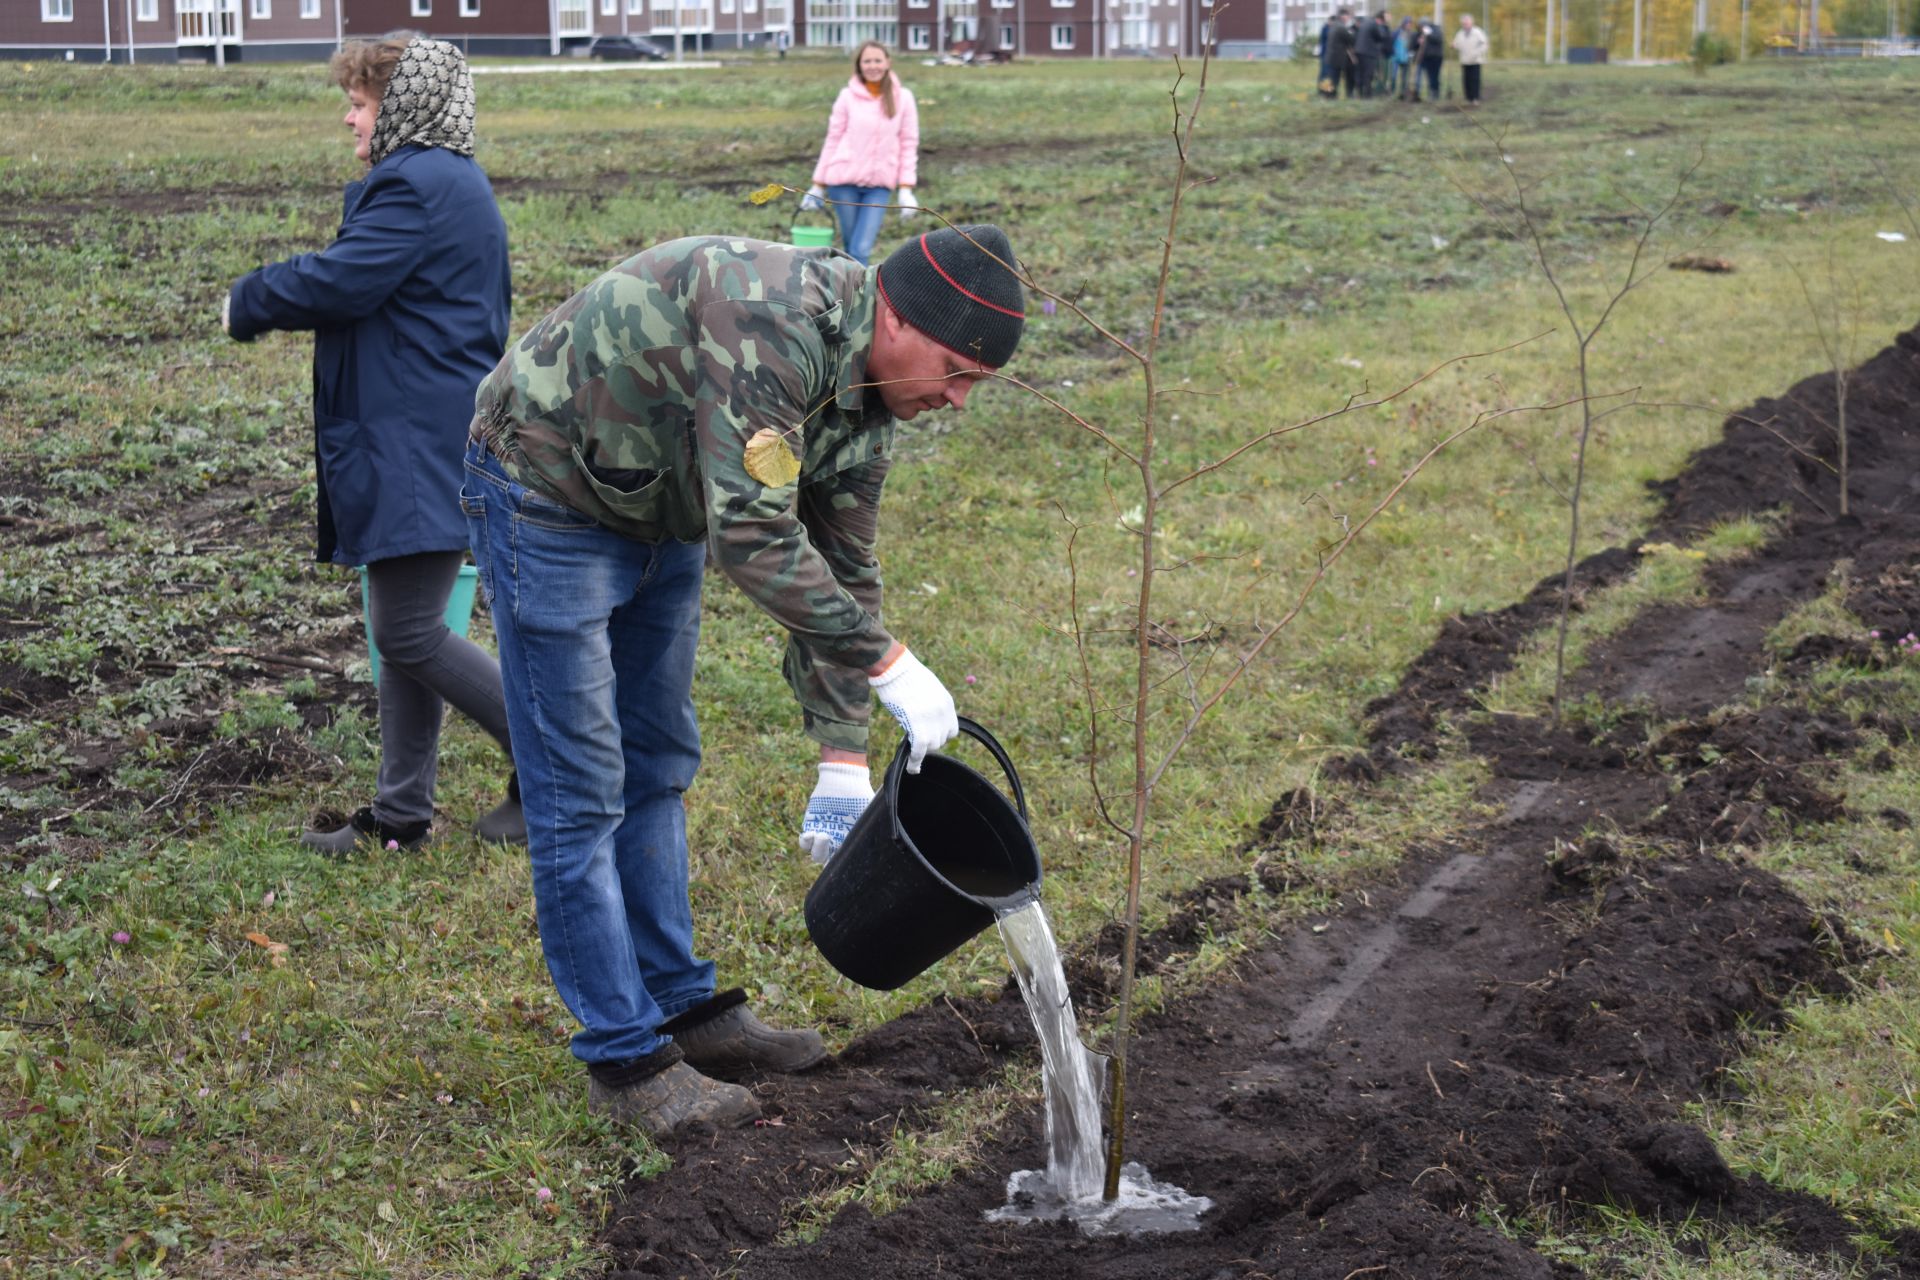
(663,1100)
(721,1037)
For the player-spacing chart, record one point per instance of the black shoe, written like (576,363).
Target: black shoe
(722,1038)
(364,828)
(505,823)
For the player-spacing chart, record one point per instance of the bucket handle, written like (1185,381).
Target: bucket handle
(980,735)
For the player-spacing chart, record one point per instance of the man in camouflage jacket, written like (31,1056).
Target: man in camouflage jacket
(720,394)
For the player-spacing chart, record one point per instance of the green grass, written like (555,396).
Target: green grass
(388,1099)
(1831,1106)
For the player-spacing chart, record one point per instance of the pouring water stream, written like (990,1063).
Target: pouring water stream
(1070,1186)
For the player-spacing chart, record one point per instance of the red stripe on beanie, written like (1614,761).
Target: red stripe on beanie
(962,289)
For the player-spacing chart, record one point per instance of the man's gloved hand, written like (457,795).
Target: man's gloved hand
(922,705)
(816,198)
(908,202)
(838,800)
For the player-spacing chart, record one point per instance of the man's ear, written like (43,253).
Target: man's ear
(886,325)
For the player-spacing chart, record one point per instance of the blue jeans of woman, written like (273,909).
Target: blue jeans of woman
(597,636)
(860,211)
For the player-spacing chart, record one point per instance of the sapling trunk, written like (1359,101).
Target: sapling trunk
(1527,230)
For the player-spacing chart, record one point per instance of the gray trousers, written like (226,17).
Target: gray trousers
(423,666)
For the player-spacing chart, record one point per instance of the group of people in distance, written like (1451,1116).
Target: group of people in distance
(1375,58)
(714,398)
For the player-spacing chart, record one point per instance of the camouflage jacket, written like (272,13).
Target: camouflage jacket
(633,402)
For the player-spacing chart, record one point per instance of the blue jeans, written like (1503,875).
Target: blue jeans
(860,211)
(1429,71)
(597,635)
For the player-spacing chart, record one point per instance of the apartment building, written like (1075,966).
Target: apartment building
(305,30)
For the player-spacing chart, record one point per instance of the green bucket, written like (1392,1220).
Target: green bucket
(459,610)
(812,237)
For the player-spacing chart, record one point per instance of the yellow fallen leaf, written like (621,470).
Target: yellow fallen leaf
(770,461)
(1893,944)
(276,950)
(767,193)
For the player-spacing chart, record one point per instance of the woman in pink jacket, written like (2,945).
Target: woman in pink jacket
(872,153)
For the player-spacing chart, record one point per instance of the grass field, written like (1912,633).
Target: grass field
(391,1094)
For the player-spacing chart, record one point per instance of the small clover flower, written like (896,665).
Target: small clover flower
(121,937)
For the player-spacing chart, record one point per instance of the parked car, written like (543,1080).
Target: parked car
(627,49)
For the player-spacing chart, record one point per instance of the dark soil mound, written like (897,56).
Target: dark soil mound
(1784,452)
(1469,651)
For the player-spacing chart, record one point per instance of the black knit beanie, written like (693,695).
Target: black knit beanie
(947,285)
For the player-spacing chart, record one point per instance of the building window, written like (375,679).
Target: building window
(750,6)
(309,8)
(608,8)
(636,6)
(468,8)
(419,8)
(260,9)
(148,11)
(1006,37)
(56,10)
(1062,34)
(919,36)
(726,6)
(918,4)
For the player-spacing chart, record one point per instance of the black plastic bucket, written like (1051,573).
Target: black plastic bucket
(935,857)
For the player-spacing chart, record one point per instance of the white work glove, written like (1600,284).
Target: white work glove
(816,198)
(920,703)
(837,802)
(909,204)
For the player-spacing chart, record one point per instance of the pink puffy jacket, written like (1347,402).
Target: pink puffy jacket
(866,149)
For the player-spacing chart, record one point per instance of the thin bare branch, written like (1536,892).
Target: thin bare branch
(1352,531)
(1099,433)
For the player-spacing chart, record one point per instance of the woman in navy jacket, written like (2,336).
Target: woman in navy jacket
(408,307)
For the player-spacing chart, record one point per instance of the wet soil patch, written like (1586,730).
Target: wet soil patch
(1516,1020)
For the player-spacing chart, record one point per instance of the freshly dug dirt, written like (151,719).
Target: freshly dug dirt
(1515,1022)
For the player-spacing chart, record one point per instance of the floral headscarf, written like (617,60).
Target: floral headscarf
(428,102)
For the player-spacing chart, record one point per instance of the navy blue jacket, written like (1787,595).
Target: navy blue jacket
(409,312)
